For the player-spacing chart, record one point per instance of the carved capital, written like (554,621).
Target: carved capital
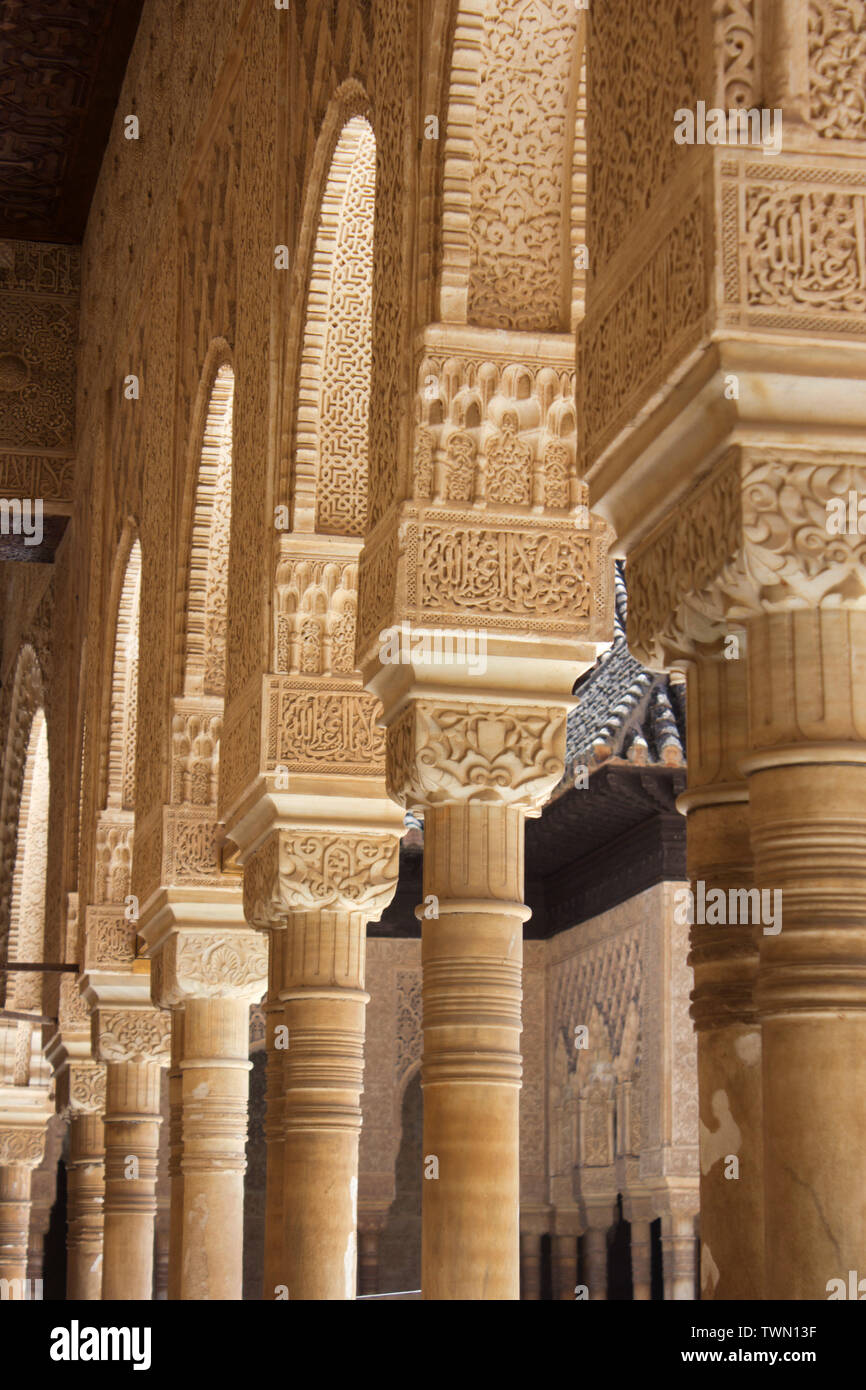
(303,871)
(196,964)
(445,752)
(86,1088)
(132,1035)
(22,1144)
(751,538)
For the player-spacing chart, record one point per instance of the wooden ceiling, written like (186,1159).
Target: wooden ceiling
(61,68)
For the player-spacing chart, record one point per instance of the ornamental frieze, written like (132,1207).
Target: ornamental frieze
(319,726)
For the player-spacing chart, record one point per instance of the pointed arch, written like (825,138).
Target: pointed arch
(28,701)
(118,780)
(202,588)
(331,448)
(27,908)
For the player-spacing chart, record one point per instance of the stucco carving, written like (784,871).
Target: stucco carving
(439,753)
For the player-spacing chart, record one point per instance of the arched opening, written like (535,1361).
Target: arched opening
(27,915)
(317,583)
(331,441)
(197,714)
(119,780)
(206,587)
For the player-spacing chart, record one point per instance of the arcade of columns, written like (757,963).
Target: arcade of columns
(401,400)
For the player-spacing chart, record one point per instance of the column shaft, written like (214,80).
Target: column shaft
(472,957)
(368,1262)
(725,963)
(274,1011)
(530,1266)
(85,1172)
(132,1120)
(15,1185)
(641,1261)
(595,1253)
(679,1251)
(564,1257)
(807,785)
(325,1004)
(175,1147)
(215,1070)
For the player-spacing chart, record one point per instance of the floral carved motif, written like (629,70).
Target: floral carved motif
(304,871)
(440,753)
(752,538)
(736,43)
(231,964)
(86,1087)
(837,68)
(20,1145)
(133,1035)
(521,144)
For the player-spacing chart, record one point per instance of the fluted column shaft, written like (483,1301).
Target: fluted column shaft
(472,957)
(15,1186)
(132,1120)
(85,1172)
(325,1004)
(725,962)
(807,785)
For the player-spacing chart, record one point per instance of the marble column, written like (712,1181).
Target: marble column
(368,1256)
(530,1266)
(679,1251)
(598,1219)
(20,1153)
(208,976)
(641,1261)
(134,1043)
(274,1011)
(725,963)
(564,1266)
(807,792)
(320,889)
(85,1197)
(175,1148)
(472,956)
